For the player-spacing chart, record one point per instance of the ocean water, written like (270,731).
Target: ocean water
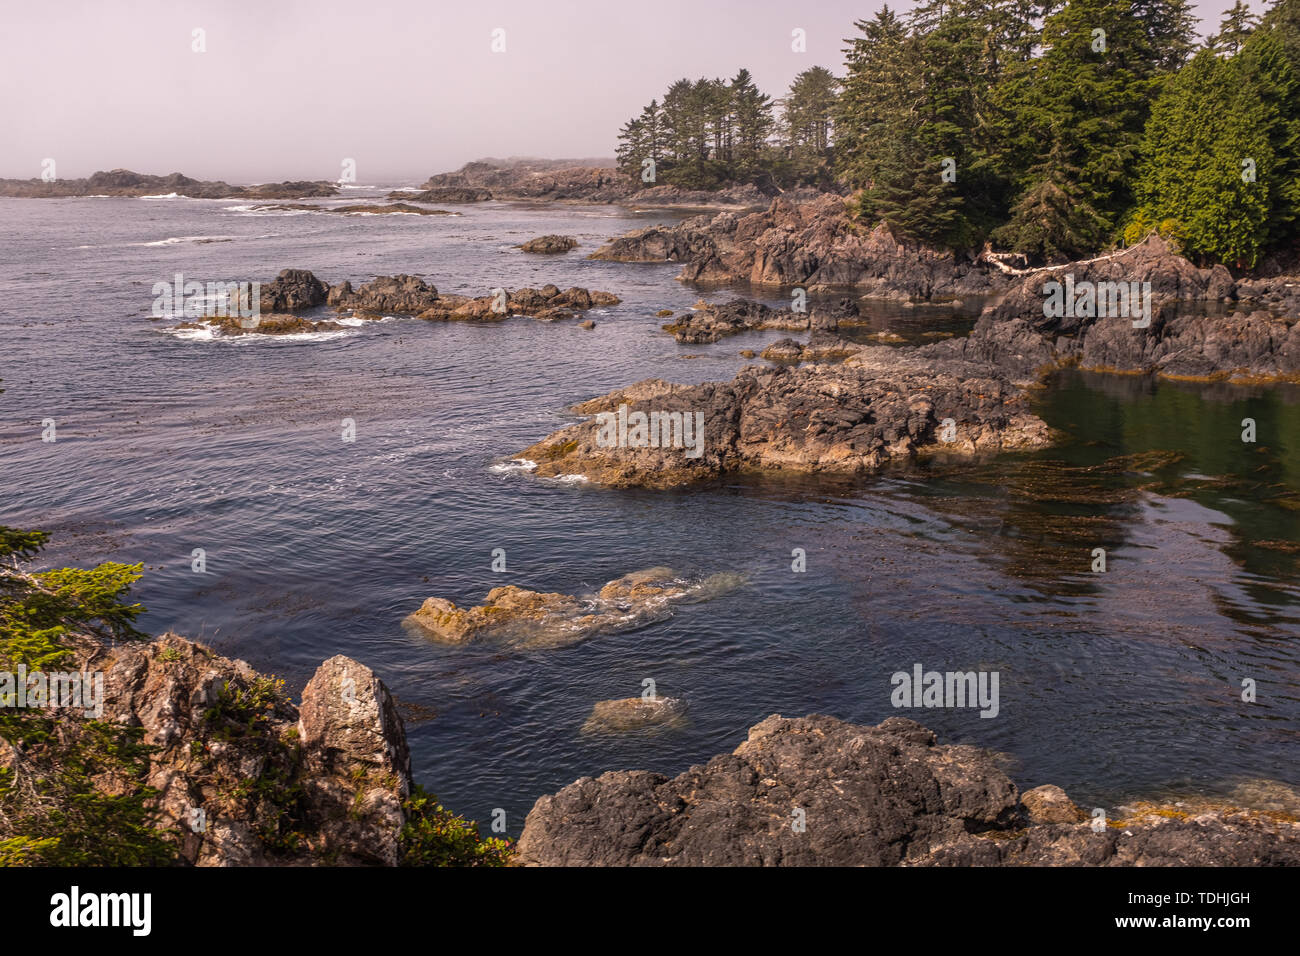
(1115,686)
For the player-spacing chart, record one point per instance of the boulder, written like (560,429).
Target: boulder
(550,244)
(816,791)
(292,290)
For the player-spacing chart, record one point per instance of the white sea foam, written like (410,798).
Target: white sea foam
(176,240)
(166,196)
(514,466)
(207,333)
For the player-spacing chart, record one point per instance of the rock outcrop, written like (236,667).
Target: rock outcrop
(244,776)
(447,194)
(520,618)
(883,404)
(537,181)
(816,791)
(549,303)
(813,245)
(821,346)
(709,322)
(1191,333)
(124,182)
(396,295)
(358,209)
(550,244)
(292,290)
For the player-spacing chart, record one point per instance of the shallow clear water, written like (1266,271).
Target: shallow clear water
(1112,685)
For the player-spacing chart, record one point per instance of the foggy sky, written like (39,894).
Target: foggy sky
(287,89)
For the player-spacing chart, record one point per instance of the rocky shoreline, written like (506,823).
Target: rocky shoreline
(567,181)
(884,404)
(247,778)
(816,791)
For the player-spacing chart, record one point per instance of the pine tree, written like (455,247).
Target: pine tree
(754,123)
(880,86)
(1053,220)
(1235,27)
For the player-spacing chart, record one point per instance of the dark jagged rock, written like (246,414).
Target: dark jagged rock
(813,245)
(883,404)
(400,294)
(449,194)
(816,791)
(293,289)
(710,322)
(124,182)
(550,244)
(1189,336)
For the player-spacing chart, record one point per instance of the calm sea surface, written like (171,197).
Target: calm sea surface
(1113,685)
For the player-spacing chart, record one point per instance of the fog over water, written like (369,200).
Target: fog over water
(288,90)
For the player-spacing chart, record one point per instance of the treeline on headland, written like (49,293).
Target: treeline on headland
(1046,129)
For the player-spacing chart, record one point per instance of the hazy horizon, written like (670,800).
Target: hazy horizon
(290,90)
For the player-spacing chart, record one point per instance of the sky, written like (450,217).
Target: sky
(289,89)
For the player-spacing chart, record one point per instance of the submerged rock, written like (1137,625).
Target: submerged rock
(816,791)
(273,324)
(531,619)
(550,244)
(635,713)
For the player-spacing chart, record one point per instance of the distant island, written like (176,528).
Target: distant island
(124,182)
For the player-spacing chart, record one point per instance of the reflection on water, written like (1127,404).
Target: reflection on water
(1113,685)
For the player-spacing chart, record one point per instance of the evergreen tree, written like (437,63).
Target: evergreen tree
(880,85)
(1235,27)
(1283,20)
(754,123)
(1053,220)
(51,811)
(1219,158)
(1086,101)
